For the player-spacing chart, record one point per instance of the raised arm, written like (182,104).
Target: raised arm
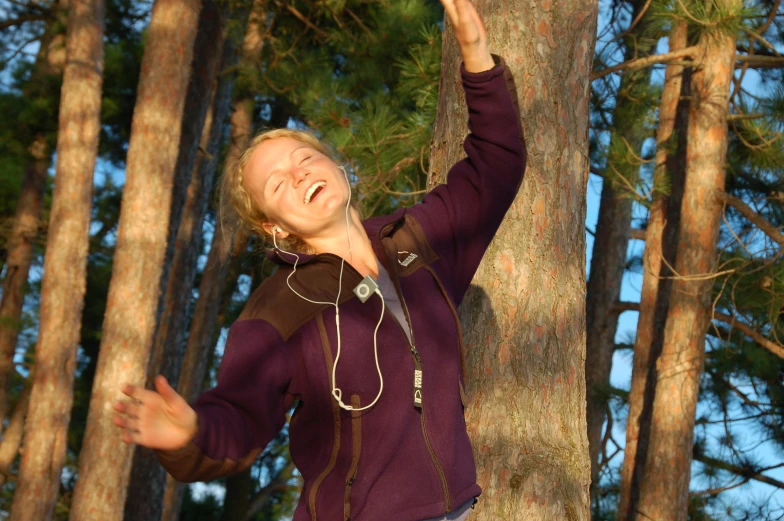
(460,218)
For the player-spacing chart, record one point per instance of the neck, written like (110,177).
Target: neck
(333,240)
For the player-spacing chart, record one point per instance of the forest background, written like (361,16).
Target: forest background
(364,75)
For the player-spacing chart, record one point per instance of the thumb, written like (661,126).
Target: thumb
(165,390)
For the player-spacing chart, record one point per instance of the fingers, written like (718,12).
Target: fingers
(451,10)
(166,391)
(129,408)
(129,425)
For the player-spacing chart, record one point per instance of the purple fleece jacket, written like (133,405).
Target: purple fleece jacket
(397,460)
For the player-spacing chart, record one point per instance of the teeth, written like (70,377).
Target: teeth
(312,189)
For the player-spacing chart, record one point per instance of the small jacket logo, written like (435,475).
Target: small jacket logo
(408,260)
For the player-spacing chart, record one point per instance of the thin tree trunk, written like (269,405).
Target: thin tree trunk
(237,498)
(660,236)
(65,266)
(200,337)
(129,324)
(613,229)
(12,437)
(196,128)
(20,254)
(526,360)
(21,242)
(664,490)
(147,482)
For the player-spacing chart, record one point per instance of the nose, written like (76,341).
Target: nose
(299,174)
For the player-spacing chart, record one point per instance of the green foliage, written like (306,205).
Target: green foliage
(366,82)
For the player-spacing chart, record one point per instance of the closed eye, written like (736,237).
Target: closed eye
(277,186)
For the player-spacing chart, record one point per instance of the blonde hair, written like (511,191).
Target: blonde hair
(237,211)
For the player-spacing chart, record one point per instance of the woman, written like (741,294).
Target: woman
(378,432)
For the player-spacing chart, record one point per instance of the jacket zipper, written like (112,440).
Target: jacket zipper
(418,362)
(356,450)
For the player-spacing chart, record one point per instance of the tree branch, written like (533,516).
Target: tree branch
(22,19)
(641,63)
(637,234)
(745,210)
(757,60)
(278,482)
(745,472)
(622,306)
(736,117)
(773,347)
(304,19)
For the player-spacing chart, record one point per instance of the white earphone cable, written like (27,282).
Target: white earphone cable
(336,392)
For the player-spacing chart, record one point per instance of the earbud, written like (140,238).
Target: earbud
(276,229)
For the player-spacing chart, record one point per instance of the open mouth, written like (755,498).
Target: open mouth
(314,190)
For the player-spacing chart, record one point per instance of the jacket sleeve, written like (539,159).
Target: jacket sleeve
(460,218)
(238,417)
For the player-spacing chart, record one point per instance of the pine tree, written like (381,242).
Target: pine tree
(532,456)
(138,262)
(65,264)
(40,96)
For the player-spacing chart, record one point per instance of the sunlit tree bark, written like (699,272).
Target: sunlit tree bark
(147,482)
(65,265)
(524,316)
(131,308)
(660,243)
(664,489)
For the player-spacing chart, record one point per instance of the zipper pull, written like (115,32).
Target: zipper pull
(417,381)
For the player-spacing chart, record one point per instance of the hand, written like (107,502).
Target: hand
(470,34)
(158,420)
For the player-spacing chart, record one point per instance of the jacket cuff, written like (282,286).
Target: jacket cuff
(481,77)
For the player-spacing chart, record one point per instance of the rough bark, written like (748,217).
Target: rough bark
(132,302)
(147,482)
(65,266)
(611,241)
(49,63)
(203,322)
(664,490)
(660,237)
(524,316)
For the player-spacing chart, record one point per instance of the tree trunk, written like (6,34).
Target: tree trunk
(237,499)
(131,307)
(660,242)
(613,229)
(200,337)
(65,266)
(48,62)
(526,359)
(20,254)
(664,490)
(12,437)
(148,478)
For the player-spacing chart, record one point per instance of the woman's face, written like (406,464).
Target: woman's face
(297,187)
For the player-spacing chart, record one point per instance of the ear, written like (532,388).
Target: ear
(280,234)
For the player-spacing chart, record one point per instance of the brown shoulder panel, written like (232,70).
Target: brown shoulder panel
(275,302)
